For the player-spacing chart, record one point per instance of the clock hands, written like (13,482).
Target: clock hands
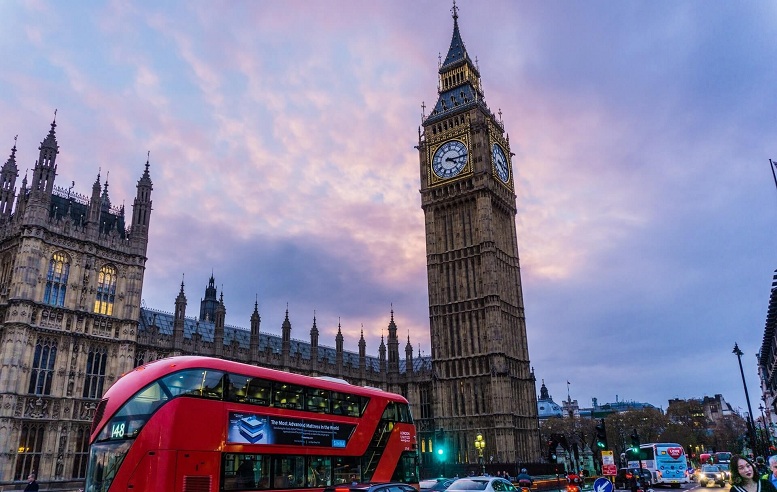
(454,159)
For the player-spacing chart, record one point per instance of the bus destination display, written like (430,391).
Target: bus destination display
(251,428)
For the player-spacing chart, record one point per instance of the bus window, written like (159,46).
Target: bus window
(289,472)
(288,396)
(317,400)
(363,401)
(104,462)
(258,392)
(347,404)
(195,382)
(319,472)
(404,413)
(245,471)
(346,470)
(238,384)
(390,413)
(135,413)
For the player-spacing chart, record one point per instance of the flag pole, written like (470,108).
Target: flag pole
(771,165)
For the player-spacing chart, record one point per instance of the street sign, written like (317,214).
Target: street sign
(602,484)
(607,458)
(608,464)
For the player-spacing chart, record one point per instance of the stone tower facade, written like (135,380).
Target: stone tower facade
(71,274)
(482,380)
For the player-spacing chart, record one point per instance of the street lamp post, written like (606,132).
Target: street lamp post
(480,446)
(751,425)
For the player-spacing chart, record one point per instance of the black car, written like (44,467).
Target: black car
(624,476)
(436,484)
(371,487)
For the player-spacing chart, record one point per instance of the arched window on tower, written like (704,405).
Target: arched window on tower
(56,280)
(106,291)
(42,371)
(95,372)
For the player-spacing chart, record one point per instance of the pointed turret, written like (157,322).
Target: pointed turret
(314,333)
(218,329)
(210,302)
(382,355)
(408,355)
(141,207)
(8,176)
(21,198)
(46,167)
(105,201)
(179,319)
(459,84)
(362,346)
(362,355)
(339,350)
(256,320)
(95,208)
(393,346)
(314,346)
(286,340)
(286,328)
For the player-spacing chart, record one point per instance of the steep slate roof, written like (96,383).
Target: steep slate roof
(462,96)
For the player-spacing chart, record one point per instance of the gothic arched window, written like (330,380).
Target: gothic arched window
(30,449)
(106,290)
(56,280)
(95,372)
(42,371)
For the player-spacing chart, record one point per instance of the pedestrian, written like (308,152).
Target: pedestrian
(744,477)
(773,468)
(32,484)
(633,484)
(760,467)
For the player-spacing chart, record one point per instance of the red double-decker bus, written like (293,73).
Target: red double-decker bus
(203,424)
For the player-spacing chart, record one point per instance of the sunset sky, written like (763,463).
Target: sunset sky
(282,133)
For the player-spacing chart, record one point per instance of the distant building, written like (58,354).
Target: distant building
(546,407)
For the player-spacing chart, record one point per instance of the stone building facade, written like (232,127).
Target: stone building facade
(71,274)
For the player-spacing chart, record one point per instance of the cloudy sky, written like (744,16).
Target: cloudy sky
(282,141)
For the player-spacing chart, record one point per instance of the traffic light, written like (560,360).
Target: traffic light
(601,435)
(635,441)
(440,444)
(552,444)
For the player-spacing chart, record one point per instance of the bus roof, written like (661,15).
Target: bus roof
(140,377)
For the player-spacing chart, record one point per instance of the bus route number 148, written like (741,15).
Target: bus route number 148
(117,430)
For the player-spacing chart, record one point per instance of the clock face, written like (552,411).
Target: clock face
(449,159)
(500,162)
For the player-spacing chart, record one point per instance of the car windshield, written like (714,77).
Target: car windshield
(709,468)
(428,484)
(468,484)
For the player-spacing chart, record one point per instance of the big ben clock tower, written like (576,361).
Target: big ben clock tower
(480,358)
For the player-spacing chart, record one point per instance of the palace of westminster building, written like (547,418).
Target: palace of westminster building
(71,320)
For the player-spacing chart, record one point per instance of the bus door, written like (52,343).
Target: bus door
(196,470)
